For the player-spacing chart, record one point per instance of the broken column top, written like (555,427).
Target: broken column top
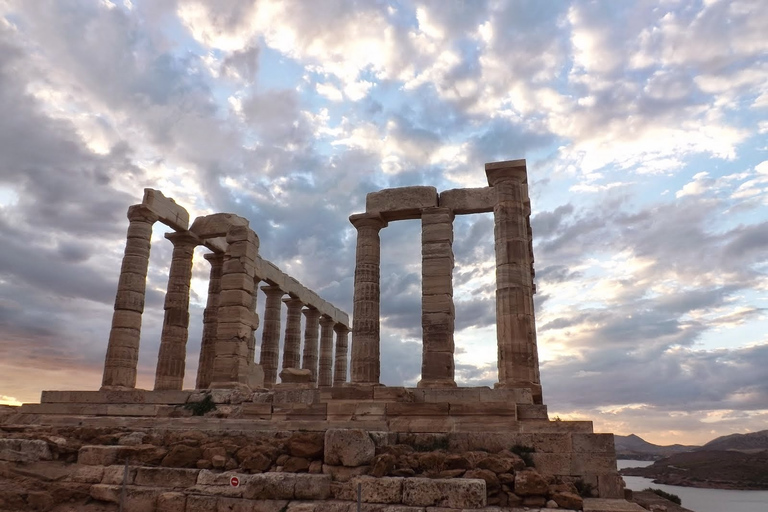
(401,203)
(166,209)
(497,171)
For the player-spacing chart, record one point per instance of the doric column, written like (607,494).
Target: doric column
(340,358)
(254,305)
(270,336)
(123,348)
(515,327)
(367,297)
(437,308)
(325,377)
(208,345)
(292,343)
(311,326)
(172,358)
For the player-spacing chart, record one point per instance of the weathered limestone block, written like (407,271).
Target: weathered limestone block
(344,473)
(529,482)
(24,450)
(593,443)
(379,490)
(348,447)
(166,209)
(271,486)
(167,477)
(401,203)
(88,474)
(201,503)
(468,200)
(216,225)
(610,486)
(452,493)
(296,376)
(101,455)
(172,502)
(568,500)
(312,487)
(114,475)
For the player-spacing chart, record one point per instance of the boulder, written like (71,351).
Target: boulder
(182,456)
(569,500)
(348,447)
(530,483)
(492,483)
(308,445)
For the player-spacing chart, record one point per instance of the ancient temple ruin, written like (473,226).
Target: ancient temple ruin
(228,345)
(323,436)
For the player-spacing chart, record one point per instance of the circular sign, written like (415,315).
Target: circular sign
(234,481)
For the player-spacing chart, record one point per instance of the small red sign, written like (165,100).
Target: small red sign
(234,481)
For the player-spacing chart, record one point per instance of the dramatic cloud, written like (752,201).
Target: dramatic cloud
(642,124)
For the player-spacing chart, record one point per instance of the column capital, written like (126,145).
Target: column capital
(215,258)
(326,321)
(498,172)
(140,213)
(183,238)
(271,290)
(367,220)
(311,313)
(438,210)
(341,329)
(293,302)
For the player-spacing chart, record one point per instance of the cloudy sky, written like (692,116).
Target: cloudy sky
(643,124)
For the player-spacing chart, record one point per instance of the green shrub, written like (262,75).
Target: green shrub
(674,498)
(524,452)
(200,408)
(584,488)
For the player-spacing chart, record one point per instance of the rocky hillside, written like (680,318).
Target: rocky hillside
(712,469)
(752,442)
(636,448)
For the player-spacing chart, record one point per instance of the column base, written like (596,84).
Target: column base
(436,384)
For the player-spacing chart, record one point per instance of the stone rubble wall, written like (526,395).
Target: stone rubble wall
(181,470)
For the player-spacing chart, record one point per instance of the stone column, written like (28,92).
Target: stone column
(515,327)
(325,377)
(311,326)
(437,308)
(292,343)
(171,360)
(270,336)
(208,345)
(366,339)
(236,320)
(340,359)
(123,348)
(254,305)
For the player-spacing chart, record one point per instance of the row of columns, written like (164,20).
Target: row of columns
(516,333)
(123,348)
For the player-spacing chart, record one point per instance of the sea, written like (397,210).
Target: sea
(700,500)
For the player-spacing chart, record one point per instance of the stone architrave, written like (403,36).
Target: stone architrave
(515,327)
(340,356)
(236,320)
(208,344)
(172,357)
(292,343)
(311,326)
(437,308)
(270,336)
(366,338)
(324,376)
(123,349)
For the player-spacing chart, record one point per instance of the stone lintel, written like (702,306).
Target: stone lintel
(510,169)
(166,209)
(464,201)
(216,225)
(401,203)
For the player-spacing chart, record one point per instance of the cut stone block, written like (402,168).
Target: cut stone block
(401,203)
(468,200)
(451,493)
(348,447)
(166,208)
(379,490)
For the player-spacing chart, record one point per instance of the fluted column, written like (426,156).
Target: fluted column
(437,308)
(515,327)
(208,345)
(172,358)
(340,358)
(325,377)
(123,348)
(311,326)
(292,343)
(253,307)
(270,336)
(366,339)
